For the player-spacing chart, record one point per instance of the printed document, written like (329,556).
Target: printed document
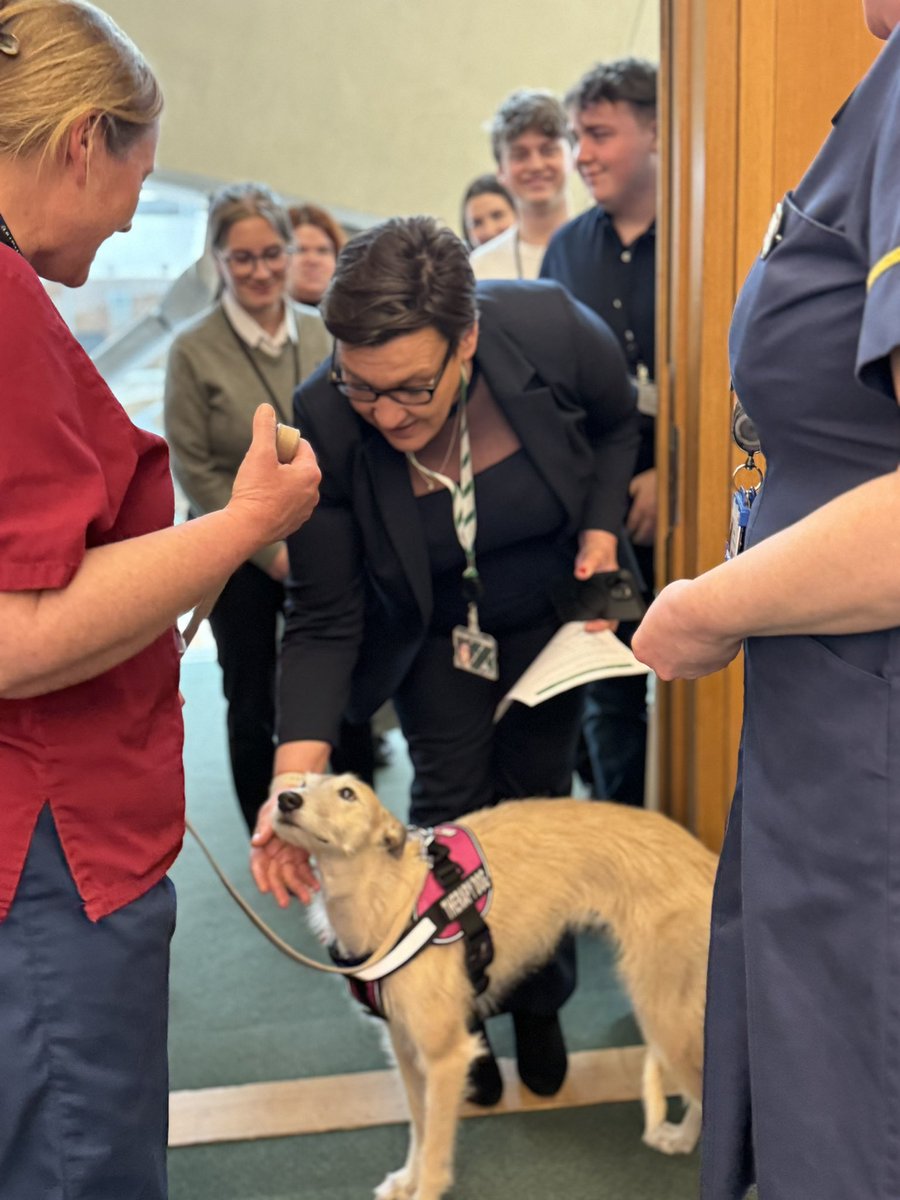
(570,658)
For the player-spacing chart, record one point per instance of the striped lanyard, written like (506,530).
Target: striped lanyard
(465,517)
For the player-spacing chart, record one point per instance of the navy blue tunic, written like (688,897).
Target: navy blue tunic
(803,1027)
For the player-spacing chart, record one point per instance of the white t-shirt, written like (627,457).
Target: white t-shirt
(507,257)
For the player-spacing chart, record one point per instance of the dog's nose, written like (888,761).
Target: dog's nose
(289,801)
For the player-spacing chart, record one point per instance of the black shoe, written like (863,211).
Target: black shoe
(540,1052)
(485,1084)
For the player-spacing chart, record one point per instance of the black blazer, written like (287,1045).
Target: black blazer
(359,601)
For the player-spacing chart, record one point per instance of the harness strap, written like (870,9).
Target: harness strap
(479,948)
(457,905)
(479,952)
(367,994)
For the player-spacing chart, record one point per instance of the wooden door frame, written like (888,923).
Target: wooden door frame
(747,88)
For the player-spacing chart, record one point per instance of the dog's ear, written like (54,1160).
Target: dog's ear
(393,834)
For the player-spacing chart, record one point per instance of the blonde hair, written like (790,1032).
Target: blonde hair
(72,61)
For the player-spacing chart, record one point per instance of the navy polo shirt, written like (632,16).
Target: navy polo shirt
(618,282)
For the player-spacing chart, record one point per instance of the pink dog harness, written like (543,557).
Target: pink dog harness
(456,894)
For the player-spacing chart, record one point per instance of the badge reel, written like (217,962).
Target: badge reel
(647,394)
(742,503)
(473,650)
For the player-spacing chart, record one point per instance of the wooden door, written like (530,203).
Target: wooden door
(748,91)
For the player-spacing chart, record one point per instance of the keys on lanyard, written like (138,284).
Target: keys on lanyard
(742,502)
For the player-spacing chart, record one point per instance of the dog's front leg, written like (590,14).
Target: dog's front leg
(445,1083)
(401,1185)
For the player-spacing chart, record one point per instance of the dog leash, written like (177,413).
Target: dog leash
(287,439)
(373,960)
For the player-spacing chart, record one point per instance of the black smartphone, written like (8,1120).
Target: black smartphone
(608,596)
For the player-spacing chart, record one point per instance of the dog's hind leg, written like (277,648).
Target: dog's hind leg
(666,1136)
(653,1095)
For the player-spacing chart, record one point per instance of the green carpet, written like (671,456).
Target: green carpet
(242,1013)
(573,1154)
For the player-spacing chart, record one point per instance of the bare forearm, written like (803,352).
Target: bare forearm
(835,572)
(122,598)
(126,594)
(302,756)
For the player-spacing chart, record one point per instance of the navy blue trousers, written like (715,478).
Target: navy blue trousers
(83,1028)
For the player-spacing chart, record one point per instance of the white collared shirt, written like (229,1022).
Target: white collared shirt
(251,332)
(507,257)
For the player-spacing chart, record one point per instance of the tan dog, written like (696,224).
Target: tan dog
(556,865)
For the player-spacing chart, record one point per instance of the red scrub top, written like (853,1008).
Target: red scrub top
(106,754)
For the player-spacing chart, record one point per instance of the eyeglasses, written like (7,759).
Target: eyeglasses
(362,393)
(243,262)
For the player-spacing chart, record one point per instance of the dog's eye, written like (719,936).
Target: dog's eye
(347,794)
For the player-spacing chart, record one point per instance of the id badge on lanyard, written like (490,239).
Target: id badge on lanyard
(474,650)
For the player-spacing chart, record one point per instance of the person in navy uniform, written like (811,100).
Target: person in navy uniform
(803,1031)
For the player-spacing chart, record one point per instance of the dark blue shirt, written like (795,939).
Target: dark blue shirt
(618,282)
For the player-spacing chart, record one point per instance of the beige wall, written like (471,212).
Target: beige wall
(372,106)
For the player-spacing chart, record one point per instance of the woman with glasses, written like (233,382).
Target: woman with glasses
(255,345)
(476,449)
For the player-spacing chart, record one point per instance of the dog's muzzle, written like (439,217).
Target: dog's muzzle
(289,802)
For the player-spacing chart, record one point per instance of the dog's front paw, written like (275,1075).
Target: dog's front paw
(399,1185)
(670,1138)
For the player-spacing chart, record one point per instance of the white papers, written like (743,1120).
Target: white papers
(570,658)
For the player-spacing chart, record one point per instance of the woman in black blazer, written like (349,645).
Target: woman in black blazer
(523,393)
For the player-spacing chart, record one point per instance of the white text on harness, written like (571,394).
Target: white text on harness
(463,896)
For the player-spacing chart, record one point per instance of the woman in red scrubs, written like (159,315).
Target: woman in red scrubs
(92,579)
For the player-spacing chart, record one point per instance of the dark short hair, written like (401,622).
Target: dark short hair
(632,80)
(527,110)
(483,185)
(398,277)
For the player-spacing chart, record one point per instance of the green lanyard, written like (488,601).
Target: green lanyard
(465,516)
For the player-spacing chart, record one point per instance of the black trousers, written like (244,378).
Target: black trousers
(246,623)
(463,761)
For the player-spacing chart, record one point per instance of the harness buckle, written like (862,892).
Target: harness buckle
(446,871)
